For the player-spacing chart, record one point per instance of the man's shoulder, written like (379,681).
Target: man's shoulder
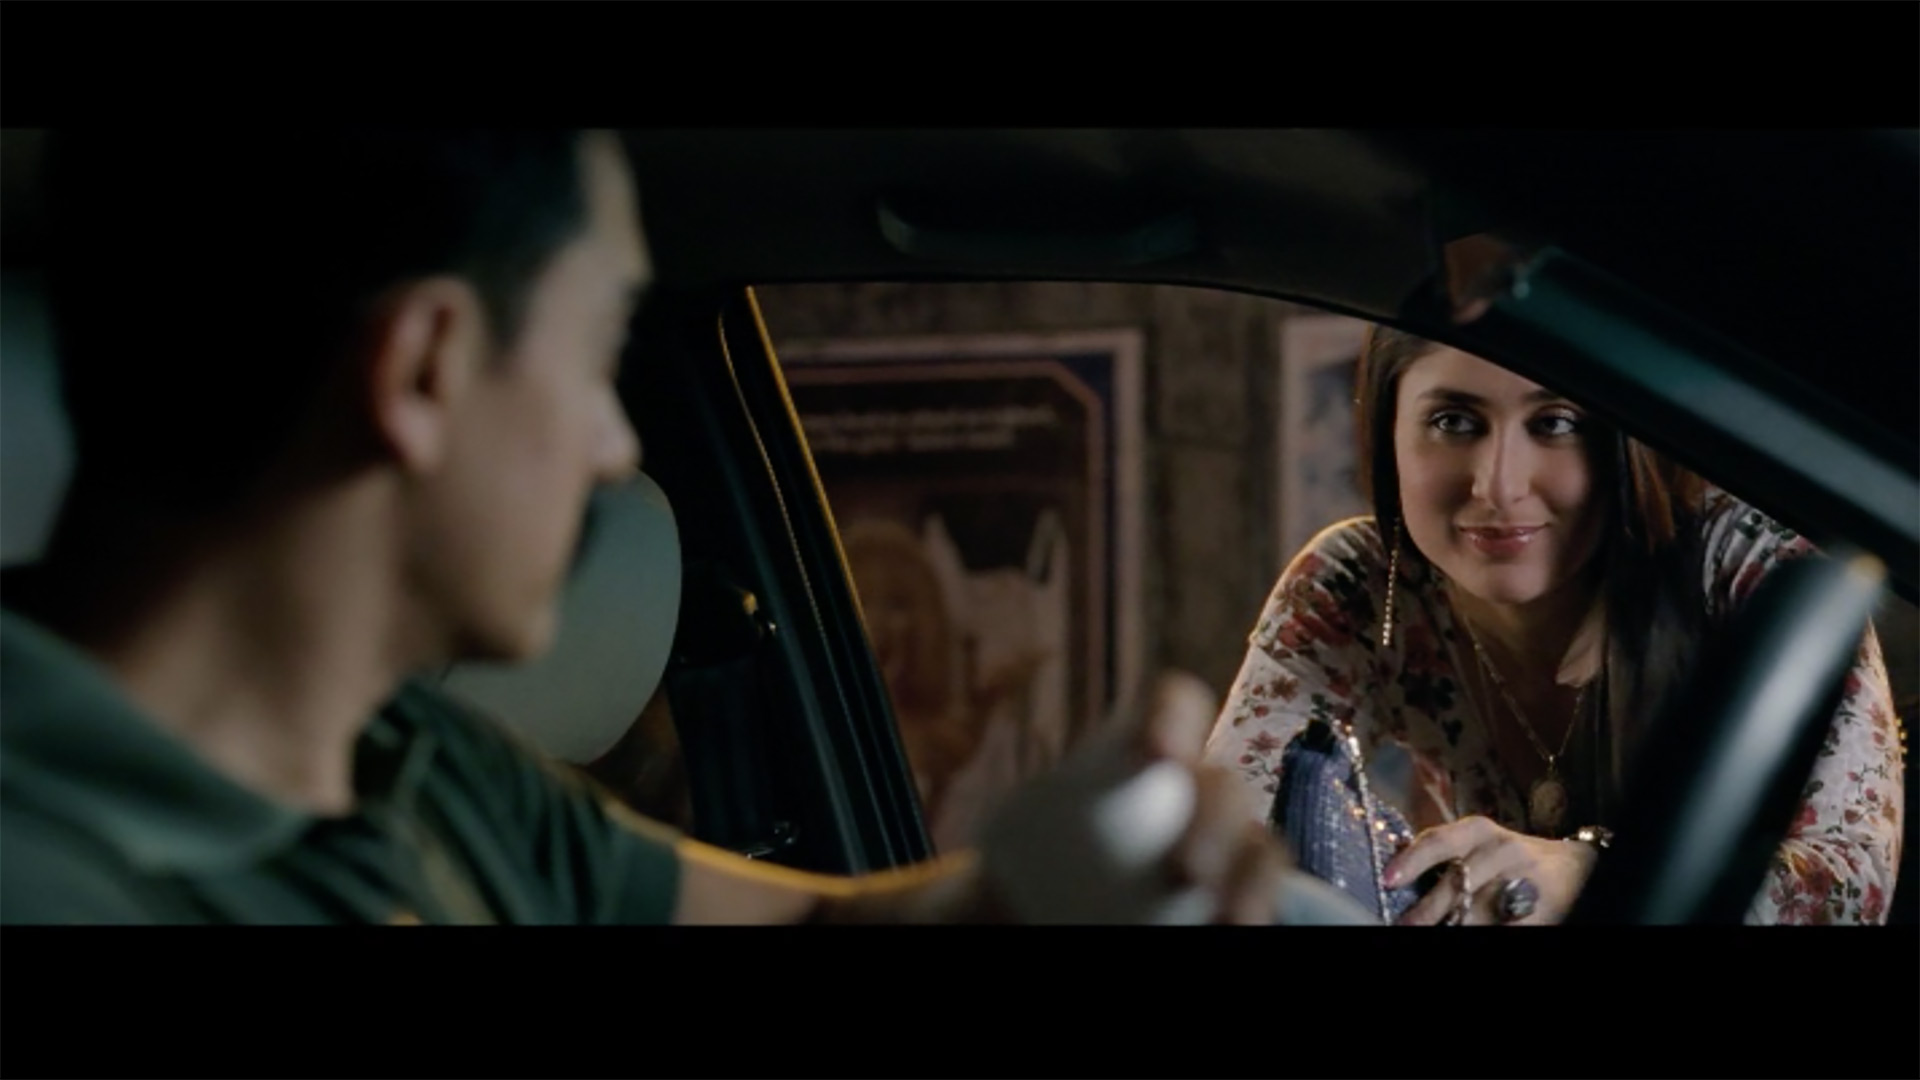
(421,703)
(626,867)
(492,768)
(420,706)
(58,873)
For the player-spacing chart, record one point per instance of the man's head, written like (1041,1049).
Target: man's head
(443,310)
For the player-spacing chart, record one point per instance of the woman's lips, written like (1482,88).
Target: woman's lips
(1502,542)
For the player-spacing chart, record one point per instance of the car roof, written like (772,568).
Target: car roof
(1797,252)
(1802,245)
(1317,213)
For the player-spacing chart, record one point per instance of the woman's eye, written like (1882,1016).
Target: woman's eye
(1557,425)
(1449,422)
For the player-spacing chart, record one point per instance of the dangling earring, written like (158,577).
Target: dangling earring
(1393,580)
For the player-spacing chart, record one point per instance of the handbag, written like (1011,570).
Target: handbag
(1326,812)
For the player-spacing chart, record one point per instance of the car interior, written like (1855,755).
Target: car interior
(713,666)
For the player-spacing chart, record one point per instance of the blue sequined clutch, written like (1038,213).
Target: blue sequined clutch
(1338,831)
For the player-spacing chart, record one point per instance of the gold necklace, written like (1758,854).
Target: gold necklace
(1547,799)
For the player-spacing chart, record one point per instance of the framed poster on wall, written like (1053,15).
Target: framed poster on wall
(987,492)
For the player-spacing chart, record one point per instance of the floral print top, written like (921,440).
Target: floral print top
(1315,653)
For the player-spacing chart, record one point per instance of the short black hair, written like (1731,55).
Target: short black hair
(202,280)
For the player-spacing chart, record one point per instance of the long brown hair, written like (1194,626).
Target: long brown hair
(1650,553)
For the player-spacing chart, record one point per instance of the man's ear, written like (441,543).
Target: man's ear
(426,343)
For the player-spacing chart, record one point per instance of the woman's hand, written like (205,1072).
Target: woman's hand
(1490,857)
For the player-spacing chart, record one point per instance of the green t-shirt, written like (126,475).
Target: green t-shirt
(107,818)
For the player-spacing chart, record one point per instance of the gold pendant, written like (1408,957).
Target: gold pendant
(1547,805)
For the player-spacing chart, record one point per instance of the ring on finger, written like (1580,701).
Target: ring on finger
(1519,897)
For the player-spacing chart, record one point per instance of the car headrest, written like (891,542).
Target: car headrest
(36,459)
(617,618)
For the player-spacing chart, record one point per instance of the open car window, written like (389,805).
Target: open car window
(1045,489)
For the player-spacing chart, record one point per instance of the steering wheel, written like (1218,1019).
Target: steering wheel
(1722,769)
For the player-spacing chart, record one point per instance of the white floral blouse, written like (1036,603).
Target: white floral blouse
(1315,653)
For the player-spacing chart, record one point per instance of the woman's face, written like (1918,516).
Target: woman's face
(1496,478)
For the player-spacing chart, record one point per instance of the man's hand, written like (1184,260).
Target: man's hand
(1131,828)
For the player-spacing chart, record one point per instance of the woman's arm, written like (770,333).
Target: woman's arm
(1839,861)
(1840,858)
(1309,657)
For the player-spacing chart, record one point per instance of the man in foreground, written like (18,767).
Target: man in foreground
(338,402)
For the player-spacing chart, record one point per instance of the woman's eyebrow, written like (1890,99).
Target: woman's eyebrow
(1451,396)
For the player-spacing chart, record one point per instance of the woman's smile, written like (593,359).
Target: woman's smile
(1503,541)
